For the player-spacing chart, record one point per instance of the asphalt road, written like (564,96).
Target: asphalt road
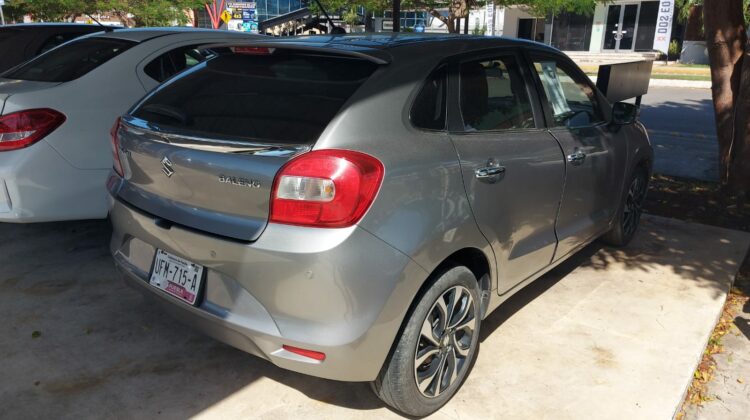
(681,125)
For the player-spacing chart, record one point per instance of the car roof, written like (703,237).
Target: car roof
(383,47)
(52,25)
(51,28)
(145,34)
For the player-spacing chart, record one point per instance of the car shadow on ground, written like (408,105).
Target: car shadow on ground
(79,343)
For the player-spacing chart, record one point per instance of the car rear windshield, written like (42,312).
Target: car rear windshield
(286,97)
(70,61)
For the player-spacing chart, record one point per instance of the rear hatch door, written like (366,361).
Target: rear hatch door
(203,150)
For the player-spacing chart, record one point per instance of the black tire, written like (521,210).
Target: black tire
(443,352)
(629,215)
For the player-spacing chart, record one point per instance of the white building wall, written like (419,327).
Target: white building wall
(597,30)
(506,20)
(510,20)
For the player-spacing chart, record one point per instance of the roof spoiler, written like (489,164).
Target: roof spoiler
(624,80)
(372,55)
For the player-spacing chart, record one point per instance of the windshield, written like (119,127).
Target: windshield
(284,97)
(70,61)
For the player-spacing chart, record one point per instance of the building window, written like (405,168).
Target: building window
(572,32)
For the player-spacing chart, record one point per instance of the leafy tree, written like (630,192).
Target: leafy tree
(152,12)
(52,10)
(725,24)
(143,12)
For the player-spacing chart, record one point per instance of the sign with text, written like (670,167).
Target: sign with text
(490,18)
(664,26)
(244,17)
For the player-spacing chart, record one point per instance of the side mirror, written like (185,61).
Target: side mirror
(624,113)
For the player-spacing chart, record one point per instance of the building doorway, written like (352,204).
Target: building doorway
(622,25)
(532,29)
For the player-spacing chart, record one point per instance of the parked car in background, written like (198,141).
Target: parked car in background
(352,207)
(56,112)
(19,43)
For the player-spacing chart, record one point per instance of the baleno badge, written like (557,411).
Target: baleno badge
(239,181)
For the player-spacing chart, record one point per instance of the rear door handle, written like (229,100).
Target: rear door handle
(489,174)
(577,157)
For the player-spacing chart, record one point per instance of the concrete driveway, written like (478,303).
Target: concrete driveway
(610,334)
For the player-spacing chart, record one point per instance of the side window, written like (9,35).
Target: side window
(494,96)
(572,100)
(428,110)
(172,62)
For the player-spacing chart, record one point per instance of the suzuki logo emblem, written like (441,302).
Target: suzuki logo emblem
(166,167)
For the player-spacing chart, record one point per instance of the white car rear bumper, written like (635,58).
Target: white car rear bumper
(38,185)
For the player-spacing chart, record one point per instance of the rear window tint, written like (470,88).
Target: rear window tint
(286,97)
(71,61)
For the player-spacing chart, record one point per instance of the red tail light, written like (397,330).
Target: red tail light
(24,128)
(325,188)
(116,164)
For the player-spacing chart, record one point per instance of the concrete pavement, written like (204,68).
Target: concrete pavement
(681,125)
(611,333)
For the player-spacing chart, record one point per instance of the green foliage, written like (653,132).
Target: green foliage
(351,17)
(674,48)
(479,31)
(683,7)
(145,12)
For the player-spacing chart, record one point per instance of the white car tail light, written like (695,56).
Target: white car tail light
(114,136)
(24,128)
(325,188)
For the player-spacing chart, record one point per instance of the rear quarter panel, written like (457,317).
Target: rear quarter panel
(421,209)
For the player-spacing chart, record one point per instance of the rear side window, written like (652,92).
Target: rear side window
(6,34)
(71,61)
(494,96)
(428,110)
(175,61)
(284,97)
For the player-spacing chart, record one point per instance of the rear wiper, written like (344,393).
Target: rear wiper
(167,111)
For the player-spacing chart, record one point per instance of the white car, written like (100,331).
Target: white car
(56,112)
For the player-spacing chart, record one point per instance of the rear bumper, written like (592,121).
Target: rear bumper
(38,185)
(342,292)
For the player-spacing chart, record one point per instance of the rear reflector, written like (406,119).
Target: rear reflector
(325,188)
(24,128)
(310,354)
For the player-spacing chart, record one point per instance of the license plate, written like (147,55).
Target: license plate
(177,276)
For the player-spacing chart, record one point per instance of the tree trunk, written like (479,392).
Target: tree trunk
(694,24)
(466,25)
(739,164)
(725,38)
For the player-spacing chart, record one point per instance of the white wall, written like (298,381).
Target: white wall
(510,20)
(597,30)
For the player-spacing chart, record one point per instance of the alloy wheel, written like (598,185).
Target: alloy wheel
(444,343)
(634,205)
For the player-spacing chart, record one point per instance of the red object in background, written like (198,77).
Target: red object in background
(214,12)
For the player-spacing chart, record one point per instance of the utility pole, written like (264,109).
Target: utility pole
(2,16)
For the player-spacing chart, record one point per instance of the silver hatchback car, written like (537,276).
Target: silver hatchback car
(352,207)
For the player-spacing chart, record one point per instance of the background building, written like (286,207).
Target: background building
(616,26)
